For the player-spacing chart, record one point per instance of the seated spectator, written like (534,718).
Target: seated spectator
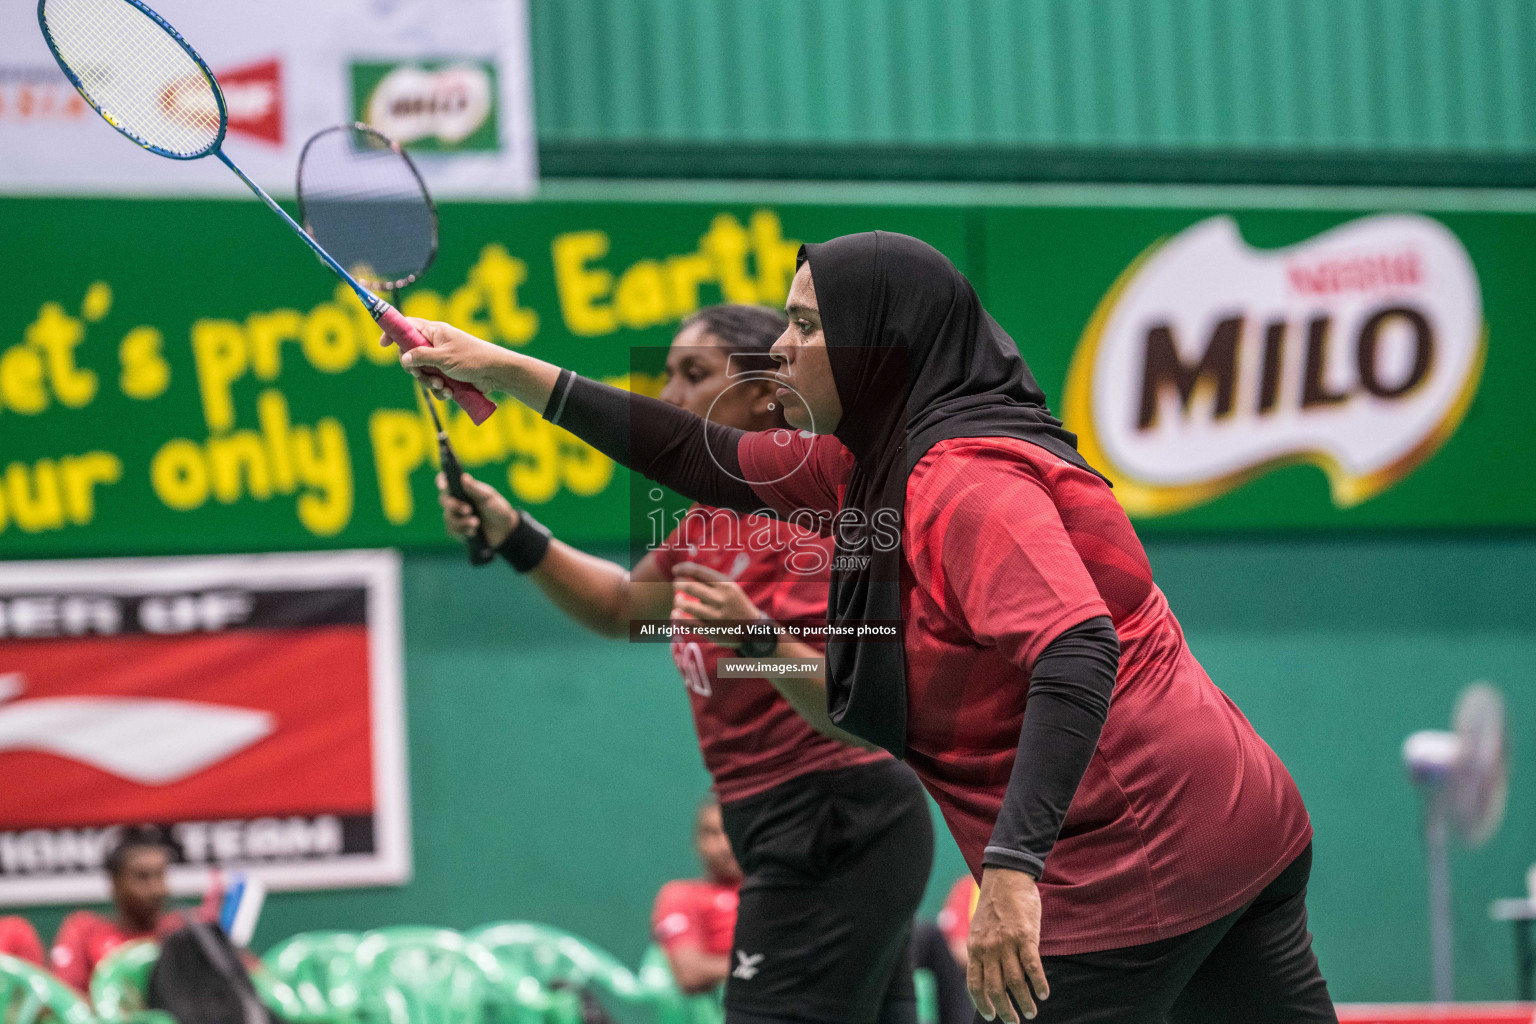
(19,939)
(939,947)
(137,867)
(694,919)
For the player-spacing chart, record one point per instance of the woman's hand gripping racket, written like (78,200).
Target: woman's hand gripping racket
(148,83)
(361,197)
(480,550)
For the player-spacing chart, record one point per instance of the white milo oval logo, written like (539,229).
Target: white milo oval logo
(412,103)
(1211,362)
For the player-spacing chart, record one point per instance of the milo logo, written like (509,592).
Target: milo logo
(441,105)
(1210,362)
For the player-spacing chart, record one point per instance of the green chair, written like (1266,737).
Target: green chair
(281,999)
(926,986)
(414,975)
(30,995)
(673,1006)
(553,955)
(321,969)
(557,959)
(120,985)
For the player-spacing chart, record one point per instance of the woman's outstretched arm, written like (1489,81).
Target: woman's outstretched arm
(674,447)
(689,454)
(599,594)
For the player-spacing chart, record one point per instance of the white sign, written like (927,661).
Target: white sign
(456,89)
(1210,362)
(182,692)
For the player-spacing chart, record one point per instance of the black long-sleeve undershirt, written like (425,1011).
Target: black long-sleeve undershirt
(1069,695)
(674,447)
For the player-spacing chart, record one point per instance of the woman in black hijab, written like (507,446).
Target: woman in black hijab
(1135,841)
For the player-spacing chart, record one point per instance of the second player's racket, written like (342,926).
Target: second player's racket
(361,197)
(138,73)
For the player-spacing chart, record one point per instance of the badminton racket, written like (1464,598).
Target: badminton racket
(139,74)
(362,199)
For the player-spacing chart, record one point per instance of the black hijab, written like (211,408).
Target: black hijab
(916,360)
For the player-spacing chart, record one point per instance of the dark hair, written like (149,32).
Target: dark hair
(136,837)
(740,327)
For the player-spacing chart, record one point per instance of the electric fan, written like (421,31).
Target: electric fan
(1462,777)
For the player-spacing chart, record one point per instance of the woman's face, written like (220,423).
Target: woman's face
(698,380)
(809,394)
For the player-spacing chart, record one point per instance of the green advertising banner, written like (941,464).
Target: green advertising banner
(178,376)
(1280,369)
(181,376)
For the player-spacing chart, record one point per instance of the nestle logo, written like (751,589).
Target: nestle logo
(1212,361)
(1366,273)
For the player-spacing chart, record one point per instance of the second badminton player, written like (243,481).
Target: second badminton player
(833,835)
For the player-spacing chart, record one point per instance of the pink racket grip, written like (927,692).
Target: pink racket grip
(406,337)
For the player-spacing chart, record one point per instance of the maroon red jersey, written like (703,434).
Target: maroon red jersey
(1184,814)
(697,914)
(751,738)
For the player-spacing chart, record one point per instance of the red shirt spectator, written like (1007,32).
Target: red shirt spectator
(694,919)
(136,866)
(955,916)
(696,912)
(19,939)
(85,938)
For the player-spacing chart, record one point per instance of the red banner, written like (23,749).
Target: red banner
(1437,1013)
(250,705)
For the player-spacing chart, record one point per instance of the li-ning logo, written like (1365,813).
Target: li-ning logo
(747,965)
(109,733)
(253,97)
(1210,362)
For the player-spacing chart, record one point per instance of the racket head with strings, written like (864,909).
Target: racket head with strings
(145,80)
(362,198)
(138,73)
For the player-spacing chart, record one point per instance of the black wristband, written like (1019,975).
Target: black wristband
(527,544)
(761,646)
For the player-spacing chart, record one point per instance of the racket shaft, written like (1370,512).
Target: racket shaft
(479,547)
(395,326)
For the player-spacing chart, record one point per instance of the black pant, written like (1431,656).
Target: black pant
(835,864)
(930,952)
(1254,966)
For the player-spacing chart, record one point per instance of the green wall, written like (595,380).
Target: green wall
(1233,91)
(1246,74)
(554,776)
(1337,650)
